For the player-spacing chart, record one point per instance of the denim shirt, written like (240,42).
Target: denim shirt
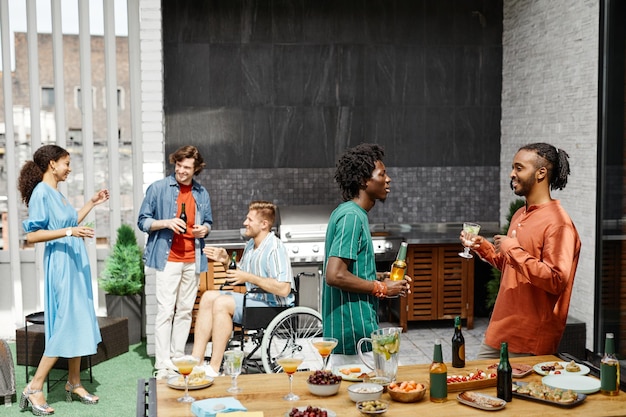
(159,204)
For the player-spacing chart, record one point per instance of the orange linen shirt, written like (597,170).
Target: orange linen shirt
(183,246)
(538,268)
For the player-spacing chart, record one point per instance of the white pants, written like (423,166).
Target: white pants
(176,292)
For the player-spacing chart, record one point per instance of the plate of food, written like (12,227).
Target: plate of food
(354,373)
(473,380)
(481,401)
(309,410)
(536,391)
(578,383)
(520,370)
(561,368)
(178,382)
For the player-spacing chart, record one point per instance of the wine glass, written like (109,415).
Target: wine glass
(324,346)
(290,366)
(232,366)
(185,365)
(471,231)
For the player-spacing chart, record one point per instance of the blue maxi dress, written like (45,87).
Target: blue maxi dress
(71,326)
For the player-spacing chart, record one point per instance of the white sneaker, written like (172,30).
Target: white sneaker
(208,370)
(165,373)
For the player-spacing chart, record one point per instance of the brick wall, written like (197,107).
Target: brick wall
(550,94)
(151,126)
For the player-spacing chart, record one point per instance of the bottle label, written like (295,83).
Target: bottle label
(439,385)
(608,377)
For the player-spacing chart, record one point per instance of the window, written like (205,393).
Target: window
(78,98)
(120,98)
(47,97)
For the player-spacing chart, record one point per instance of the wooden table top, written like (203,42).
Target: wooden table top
(264,392)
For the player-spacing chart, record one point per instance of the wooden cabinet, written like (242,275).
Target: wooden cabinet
(442,287)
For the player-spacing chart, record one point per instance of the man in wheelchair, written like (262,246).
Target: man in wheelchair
(264,264)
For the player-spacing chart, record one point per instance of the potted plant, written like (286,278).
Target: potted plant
(123,281)
(493,285)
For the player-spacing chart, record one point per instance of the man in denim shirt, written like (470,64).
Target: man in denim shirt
(174,249)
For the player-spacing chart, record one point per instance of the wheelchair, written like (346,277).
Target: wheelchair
(276,331)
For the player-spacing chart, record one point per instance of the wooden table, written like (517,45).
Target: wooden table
(264,392)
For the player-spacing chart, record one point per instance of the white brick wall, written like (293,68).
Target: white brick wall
(152,125)
(550,94)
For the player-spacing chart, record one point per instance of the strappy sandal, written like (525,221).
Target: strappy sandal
(37,409)
(70,392)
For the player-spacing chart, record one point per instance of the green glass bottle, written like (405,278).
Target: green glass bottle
(505,374)
(233,261)
(609,368)
(438,376)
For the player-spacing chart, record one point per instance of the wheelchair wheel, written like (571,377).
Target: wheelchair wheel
(291,331)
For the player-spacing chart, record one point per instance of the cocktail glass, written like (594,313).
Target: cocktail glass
(471,231)
(290,366)
(324,346)
(89,241)
(185,366)
(232,366)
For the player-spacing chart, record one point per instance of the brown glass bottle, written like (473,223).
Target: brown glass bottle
(458,345)
(183,217)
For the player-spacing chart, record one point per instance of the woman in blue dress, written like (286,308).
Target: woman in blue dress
(71,327)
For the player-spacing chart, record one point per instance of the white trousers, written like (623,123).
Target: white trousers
(176,292)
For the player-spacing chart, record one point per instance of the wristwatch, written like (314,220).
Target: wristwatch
(68,232)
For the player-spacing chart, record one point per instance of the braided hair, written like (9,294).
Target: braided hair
(555,160)
(32,172)
(355,167)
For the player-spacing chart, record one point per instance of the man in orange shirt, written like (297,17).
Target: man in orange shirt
(538,259)
(174,249)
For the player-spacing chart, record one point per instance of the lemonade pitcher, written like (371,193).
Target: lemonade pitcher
(386,347)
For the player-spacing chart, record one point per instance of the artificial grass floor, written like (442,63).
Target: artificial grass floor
(114,381)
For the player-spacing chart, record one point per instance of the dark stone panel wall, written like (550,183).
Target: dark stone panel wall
(289,84)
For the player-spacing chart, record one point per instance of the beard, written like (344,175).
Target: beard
(524,187)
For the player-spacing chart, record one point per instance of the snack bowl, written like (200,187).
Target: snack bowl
(380,380)
(372,407)
(325,390)
(407,396)
(323,383)
(365,391)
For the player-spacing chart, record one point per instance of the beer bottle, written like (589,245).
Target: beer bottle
(505,374)
(183,217)
(458,345)
(398,269)
(438,376)
(609,368)
(233,261)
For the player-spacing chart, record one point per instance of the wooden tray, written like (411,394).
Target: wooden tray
(472,385)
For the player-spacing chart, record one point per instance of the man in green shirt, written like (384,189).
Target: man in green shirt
(351,288)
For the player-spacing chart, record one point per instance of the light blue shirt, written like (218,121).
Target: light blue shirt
(270,260)
(160,203)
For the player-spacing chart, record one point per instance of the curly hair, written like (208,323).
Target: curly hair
(355,167)
(185,152)
(555,160)
(32,172)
